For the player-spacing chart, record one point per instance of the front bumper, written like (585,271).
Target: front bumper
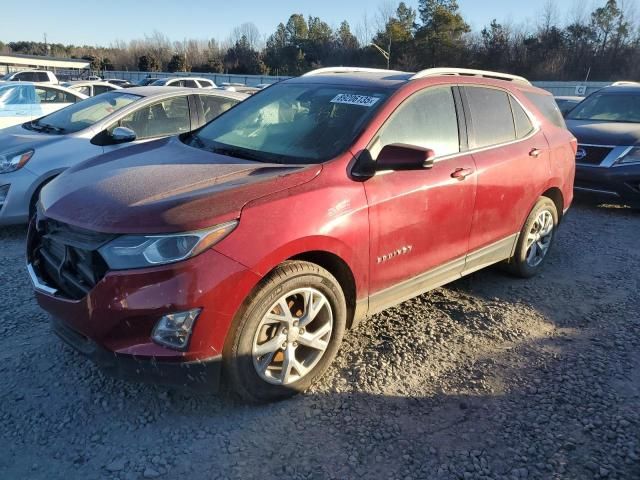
(201,375)
(21,184)
(620,184)
(113,323)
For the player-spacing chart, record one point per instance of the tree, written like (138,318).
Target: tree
(178,63)
(441,33)
(249,31)
(148,63)
(241,58)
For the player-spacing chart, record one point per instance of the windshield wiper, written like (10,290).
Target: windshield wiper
(51,128)
(236,153)
(45,127)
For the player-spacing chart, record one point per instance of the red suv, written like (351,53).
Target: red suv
(245,249)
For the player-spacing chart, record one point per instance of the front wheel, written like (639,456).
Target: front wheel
(535,240)
(287,334)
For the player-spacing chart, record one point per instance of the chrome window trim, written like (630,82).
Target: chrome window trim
(537,127)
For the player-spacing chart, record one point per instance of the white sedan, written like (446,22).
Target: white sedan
(22,102)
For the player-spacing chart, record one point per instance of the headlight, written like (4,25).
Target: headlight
(139,251)
(632,156)
(10,162)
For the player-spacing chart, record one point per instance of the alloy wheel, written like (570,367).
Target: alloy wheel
(539,238)
(292,336)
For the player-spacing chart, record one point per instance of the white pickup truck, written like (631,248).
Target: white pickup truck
(35,76)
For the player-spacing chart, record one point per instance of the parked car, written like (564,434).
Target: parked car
(25,101)
(147,81)
(253,243)
(35,76)
(119,82)
(189,82)
(567,103)
(607,125)
(241,88)
(33,153)
(90,89)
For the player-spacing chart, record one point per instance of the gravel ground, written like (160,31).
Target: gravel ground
(491,377)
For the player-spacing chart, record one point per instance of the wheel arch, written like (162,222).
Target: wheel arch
(341,270)
(555,195)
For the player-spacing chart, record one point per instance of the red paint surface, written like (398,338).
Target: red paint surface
(287,213)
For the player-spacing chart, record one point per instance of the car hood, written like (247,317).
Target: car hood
(593,132)
(17,138)
(163,186)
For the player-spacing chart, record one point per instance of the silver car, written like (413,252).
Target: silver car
(89,88)
(33,153)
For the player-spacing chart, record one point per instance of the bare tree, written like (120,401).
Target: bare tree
(250,31)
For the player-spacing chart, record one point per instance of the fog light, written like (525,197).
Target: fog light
(174,330)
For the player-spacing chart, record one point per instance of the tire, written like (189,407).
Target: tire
(263,325)
(525,262)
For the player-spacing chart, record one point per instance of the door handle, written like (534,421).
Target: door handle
(535,152)
(461,173)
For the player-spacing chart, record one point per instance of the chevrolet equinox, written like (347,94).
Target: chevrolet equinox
(241,252)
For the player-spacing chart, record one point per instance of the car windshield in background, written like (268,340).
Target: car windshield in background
(84,114)
(302,123)
(615,107)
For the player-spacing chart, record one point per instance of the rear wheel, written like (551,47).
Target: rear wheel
(287,334)
(536,239)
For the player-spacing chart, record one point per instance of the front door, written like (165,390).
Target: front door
(420,220)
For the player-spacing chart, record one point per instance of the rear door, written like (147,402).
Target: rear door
(512,159)
(420,220)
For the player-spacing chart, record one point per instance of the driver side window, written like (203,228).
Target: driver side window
(427,119)
(168,117)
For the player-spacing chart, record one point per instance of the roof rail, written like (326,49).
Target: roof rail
(321,71)
(623,83)
(432,72)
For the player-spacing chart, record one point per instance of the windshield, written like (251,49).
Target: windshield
(159,82)
(292,123)
(85,113)
(612,107)
(6,76)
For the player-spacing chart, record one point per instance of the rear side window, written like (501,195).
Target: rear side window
(548,107)
(491,117)
(212,106)
(25,77)
(189,84)
(41,76)
(205,83)
(523,124)
(427,119)
(51,95)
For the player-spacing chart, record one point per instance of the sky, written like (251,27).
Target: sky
(93,22)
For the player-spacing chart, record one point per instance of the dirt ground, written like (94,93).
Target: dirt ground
(491,377)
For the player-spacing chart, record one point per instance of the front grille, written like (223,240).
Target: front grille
(67,257)
(592,155)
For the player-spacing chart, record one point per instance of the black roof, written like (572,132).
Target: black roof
(620,89)
(391,80)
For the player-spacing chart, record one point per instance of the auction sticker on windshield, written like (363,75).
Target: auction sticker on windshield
(351,99)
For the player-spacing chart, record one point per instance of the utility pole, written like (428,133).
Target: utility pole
(386,54)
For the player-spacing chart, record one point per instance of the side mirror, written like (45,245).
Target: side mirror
(122,135)
(404,157)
